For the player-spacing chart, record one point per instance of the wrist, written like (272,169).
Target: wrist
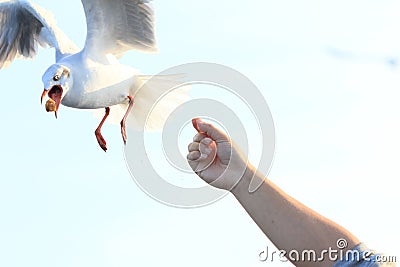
(242,186)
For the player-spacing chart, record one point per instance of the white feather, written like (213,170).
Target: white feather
(155,100)
(132,27)
(24,26)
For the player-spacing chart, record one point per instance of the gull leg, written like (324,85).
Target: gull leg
(99,137)
(123,127)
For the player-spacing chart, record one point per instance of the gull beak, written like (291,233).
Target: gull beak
(44,94)
(55,95)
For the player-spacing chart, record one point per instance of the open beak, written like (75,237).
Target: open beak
(44,94)
(55,95)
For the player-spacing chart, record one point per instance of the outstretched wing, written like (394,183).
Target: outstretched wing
(24,25)
(116,26)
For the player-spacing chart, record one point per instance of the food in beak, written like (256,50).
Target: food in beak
(55,95)
(51,105)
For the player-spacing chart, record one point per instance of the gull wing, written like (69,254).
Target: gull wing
(24,26)
(116,26)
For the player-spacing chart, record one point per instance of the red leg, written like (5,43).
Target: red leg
(123,127)
(99,137)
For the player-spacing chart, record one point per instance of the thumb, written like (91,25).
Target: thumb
(210,130)
(194,123)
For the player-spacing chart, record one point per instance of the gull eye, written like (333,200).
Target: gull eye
(56,78)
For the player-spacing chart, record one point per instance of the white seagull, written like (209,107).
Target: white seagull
(90,78)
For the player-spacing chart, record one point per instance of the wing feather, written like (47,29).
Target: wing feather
(24,26)
(118,26)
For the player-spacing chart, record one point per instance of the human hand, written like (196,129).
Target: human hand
(214,157)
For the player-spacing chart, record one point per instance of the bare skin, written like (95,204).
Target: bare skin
(289,224)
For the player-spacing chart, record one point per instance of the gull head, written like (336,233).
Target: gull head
(57,82)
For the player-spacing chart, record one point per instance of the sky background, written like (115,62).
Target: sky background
(326,70)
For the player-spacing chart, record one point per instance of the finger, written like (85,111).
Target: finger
(193,155)
(193,164)
(206,141)
(208,153)
(194,123)
(193,146)
(205,146)
(211,131)
(198,137)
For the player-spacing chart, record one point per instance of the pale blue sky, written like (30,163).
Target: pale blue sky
(64,202)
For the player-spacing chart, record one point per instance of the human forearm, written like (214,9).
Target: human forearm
(289,224)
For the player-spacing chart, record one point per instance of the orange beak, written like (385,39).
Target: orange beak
(44,94)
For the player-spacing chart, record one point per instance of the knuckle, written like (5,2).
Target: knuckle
(193,146)
(198,137)
(194,155)
(206,141)
(189,146)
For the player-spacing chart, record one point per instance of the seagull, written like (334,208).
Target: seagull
(88,78)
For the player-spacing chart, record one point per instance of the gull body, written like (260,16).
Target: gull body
(88,87)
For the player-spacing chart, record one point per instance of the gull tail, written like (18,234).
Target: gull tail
(156,97)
